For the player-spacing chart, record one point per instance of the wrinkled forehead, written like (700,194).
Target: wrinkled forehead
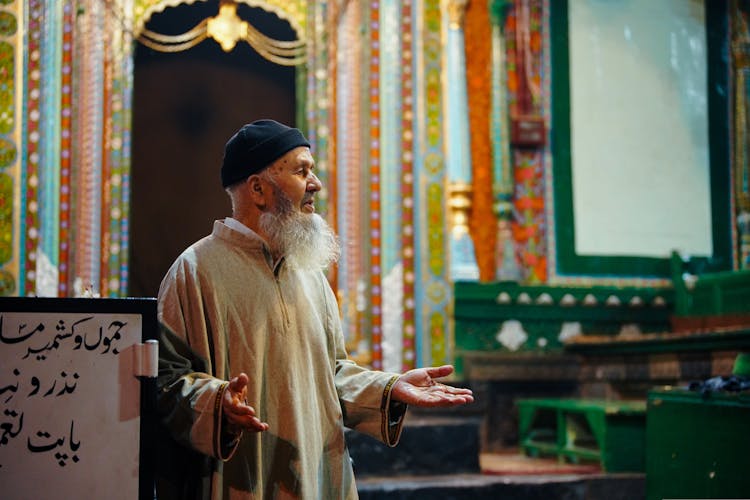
(292,160)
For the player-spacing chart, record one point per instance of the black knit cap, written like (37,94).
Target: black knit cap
(255,146)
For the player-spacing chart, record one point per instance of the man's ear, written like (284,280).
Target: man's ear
(257,190)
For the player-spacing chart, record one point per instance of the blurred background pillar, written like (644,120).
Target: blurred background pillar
(463,265)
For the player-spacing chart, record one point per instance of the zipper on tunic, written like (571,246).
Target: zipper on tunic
(276,272)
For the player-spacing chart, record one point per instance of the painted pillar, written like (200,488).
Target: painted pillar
(350,191)
(411,347)
(374,171)
(506,264)
(434,293)
(392,215)
(11,180)
(463,265)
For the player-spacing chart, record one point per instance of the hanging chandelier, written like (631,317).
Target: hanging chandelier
(227,28)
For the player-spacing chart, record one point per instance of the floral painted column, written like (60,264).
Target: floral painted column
(506,264)
(463,263)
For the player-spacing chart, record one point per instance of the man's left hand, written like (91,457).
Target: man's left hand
(418,387)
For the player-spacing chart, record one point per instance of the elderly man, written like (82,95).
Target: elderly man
(255,387)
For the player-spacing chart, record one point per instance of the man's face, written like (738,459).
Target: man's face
(289,223)
(293,175)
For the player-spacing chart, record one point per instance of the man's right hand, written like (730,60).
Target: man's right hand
(238,413)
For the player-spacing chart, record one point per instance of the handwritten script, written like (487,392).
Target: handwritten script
(66,397)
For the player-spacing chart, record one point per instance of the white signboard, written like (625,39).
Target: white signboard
(70,399)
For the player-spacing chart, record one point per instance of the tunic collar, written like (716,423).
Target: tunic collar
(236,232)
(239,226)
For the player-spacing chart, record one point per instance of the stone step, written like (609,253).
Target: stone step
(428,446)
(626,486)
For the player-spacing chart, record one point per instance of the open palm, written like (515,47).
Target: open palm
(418,387)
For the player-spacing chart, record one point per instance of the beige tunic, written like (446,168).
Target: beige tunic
(226,308)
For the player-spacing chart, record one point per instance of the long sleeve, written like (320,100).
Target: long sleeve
(189,400)
(365,395)
(190,393)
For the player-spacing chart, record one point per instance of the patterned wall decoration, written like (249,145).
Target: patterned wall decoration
(349,105)
(88,157)
(391,172)
(525,45)
(11,47)
(66,148)
(410,349)
(435,294)
(376,298)
(101,156)
(72,198)
(318,96)
(390,185)
(506,262)
(121,120)
(30,199)
(483,225)
(48,153)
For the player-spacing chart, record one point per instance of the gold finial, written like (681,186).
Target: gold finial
(456,13)
(227,27)
(459,201)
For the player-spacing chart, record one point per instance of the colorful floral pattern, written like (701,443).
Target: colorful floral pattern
(8,153)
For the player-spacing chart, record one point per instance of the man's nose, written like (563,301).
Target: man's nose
(313,183)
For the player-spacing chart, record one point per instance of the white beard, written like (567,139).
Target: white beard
(306,241)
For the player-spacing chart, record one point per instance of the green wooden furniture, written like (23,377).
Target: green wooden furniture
(611,433)
(547,314)
(709,299)
(697,444)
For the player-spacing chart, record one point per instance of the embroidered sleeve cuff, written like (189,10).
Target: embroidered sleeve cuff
(393,413)
(225,439)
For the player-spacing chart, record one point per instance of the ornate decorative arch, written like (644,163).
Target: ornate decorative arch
(293,11)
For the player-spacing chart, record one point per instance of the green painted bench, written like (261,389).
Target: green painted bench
(611,433)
